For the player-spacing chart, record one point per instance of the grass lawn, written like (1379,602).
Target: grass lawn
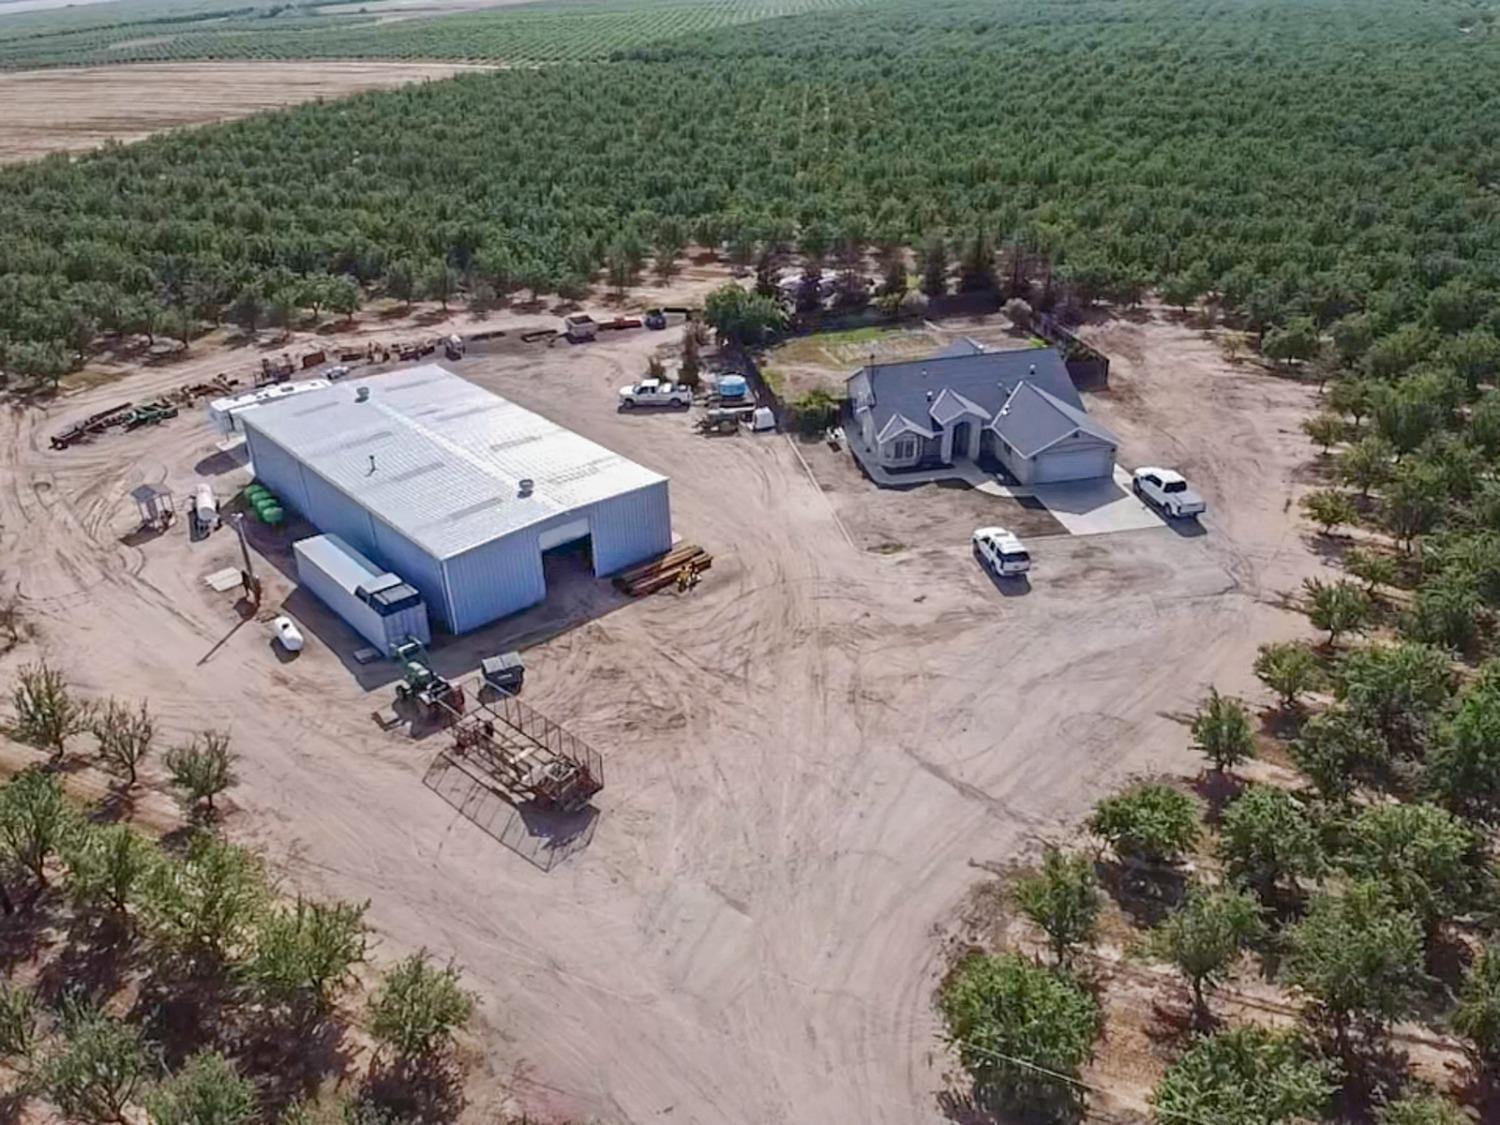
(850,349)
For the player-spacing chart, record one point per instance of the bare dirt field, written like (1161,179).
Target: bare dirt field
(805,755)
(73,109)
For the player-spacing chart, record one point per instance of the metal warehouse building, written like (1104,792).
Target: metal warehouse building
(455,489)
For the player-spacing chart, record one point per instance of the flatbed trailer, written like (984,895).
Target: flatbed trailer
(511,749)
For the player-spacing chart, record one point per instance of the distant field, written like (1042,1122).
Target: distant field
(469,30)
(71,110)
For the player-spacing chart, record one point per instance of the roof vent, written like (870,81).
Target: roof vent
(924,372)
(361,394)
(1033,369)
(929,396)
(524,486)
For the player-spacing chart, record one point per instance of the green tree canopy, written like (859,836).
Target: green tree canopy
(1357,955)
(1268,839)
(1246,1076)
(1340,607)
(1206,935)
(208,1090)
(1429,862)
(1288,668)
(1016,1026)
(1061,897)
(417,1007)
(1149,822)
(744,318)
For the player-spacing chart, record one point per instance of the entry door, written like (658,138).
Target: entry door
(961,434)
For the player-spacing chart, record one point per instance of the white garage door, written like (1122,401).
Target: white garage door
(1073,464)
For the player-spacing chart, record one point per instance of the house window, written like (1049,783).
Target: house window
(905,449)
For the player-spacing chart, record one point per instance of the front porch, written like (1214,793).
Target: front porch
(962,469)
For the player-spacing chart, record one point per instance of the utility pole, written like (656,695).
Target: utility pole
(248,581)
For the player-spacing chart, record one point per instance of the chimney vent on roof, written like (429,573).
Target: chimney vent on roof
(524,487)
(929,396)
(361,394)
(1033,369)
(371,469)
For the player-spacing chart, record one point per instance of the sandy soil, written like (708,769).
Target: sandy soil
(804,755)
(72,109)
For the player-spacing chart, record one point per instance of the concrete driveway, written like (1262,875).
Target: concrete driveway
(1095,507)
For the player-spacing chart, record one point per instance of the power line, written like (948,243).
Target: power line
(1178,1115)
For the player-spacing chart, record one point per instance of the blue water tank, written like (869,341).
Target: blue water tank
(733,386)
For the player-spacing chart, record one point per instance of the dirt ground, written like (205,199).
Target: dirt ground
(805,755)
(71,109)
(923,517)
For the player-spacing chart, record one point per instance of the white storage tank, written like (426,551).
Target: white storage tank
(375,603)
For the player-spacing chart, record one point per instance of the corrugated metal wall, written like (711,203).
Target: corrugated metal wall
(493,580)
(329,510)
(629,528)
(278,470)
(401,556)
(505,576)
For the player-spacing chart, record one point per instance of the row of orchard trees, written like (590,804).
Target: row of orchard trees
(1348,888)
(900,130)
(201,929)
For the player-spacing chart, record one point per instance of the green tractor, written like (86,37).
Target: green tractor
(437,698)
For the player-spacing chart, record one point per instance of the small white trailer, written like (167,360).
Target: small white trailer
(224,412)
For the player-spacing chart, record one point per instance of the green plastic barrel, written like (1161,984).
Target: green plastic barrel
(273,515)
(255,492)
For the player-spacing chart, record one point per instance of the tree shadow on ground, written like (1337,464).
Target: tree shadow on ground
(420,1091)
(1217,788)
(1332,549)
(292,1056)
(1475,1086)
(1375,1072)
(1281,723)
(1174,1023)
(1145,894)
(965,1109)
(182,1005)
(24,934)
(96,958)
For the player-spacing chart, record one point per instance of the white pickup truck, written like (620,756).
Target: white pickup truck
(1168,492)
(1001,551)
(655,392)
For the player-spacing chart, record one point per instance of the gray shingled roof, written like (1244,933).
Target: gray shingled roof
(985,379)
(1033,420)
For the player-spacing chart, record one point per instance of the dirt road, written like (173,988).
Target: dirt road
(77,108)
(804,755)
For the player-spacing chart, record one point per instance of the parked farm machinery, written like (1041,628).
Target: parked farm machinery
(438,698)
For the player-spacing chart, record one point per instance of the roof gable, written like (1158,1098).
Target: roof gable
(898,424)
(949,405)
(1033,420)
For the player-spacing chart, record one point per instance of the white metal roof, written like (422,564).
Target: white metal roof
(342,563)
(441,460)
